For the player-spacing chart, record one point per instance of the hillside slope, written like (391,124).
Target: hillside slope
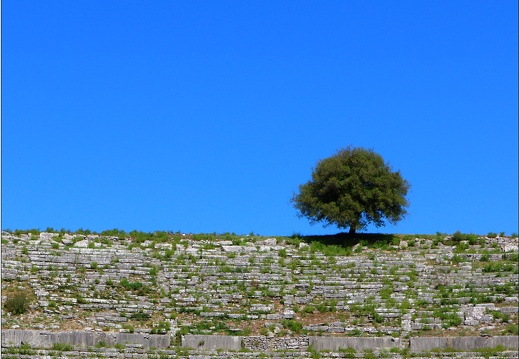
(275,287)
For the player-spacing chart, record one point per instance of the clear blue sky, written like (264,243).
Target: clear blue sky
(205,116)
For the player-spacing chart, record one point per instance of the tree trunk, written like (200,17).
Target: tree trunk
(352,230)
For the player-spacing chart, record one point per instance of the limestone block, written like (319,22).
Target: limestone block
(67,239)
(44,236)
(212,342)
(303,245)
(510,247)
(236,315)
(82,244)
(212,314)
(359,344)
(417,326)
(270,242)
(322,328)
(471,321)
(288,314)
(261,308)
(165,246)
(422,344)
(336,330)
(232,249)
(508,309)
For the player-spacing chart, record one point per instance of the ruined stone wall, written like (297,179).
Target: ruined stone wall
(41,339)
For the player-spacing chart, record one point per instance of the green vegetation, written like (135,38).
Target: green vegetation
(23,349)
(369,354)
(121,234)
(129,328)
(449,318)
(500,266)
(62,347)
(140,316)
(315,354)
(484,352)
(511,329)
(17,302)
(212,326)
(491,352)
(136,287)
(471,238)
(292,325)
(348,352)
(101,344)
(353,188)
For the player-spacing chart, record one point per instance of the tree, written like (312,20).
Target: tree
(353,188)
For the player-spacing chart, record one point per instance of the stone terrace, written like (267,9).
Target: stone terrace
(254,286)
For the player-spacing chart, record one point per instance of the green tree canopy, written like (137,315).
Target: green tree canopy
(353,188)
